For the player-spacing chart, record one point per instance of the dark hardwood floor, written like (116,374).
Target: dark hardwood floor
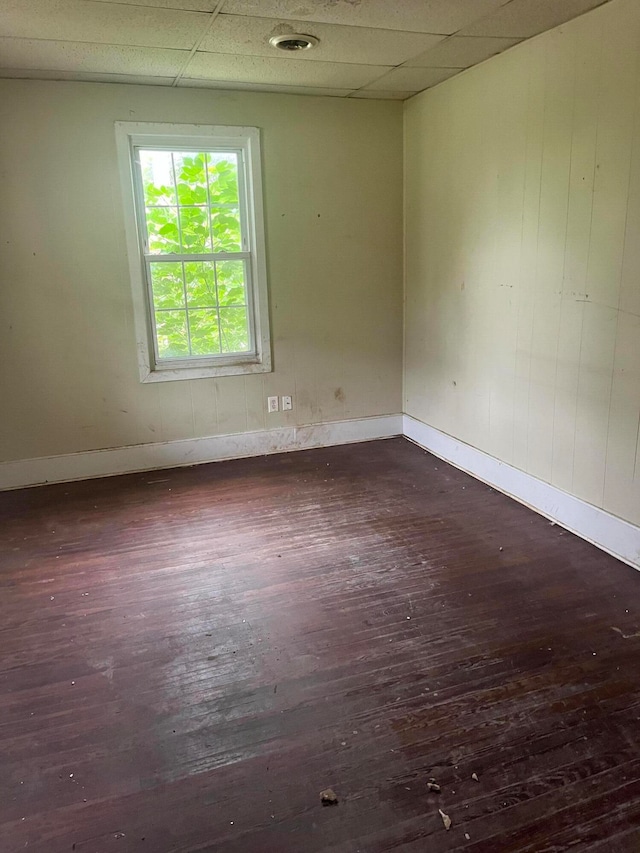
(189,657)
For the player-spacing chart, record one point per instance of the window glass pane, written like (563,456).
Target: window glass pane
(191,177)
(157,177)
(201,284)
(203,326)
(162,227)
(234,329)
(223,178)
(225,224)
(231,283)
(168,288)
(194,226)
(171,334)
(191,201)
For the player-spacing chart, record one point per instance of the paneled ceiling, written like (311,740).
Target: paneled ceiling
(366,49)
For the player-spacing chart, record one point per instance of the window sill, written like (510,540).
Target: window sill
(208,372)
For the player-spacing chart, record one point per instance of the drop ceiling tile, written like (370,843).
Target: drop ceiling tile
(281,71)
(104,23)
(461,52)
(382,95)
(412,79)
(189,82)
(427,16)
(526,18)
(76,56)
(84,76)
(250,37)
(186,5)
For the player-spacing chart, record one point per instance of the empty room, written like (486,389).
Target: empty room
(320,426)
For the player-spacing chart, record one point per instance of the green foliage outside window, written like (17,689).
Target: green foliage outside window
(192,207)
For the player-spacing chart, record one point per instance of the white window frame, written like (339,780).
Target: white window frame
(246,140)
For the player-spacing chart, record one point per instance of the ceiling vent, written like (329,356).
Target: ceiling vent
(293,41)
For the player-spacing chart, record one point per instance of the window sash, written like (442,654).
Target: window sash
(242,356)
(195,256)
(148,258)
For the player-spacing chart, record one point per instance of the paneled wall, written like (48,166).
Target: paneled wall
(333,197)
(522,217)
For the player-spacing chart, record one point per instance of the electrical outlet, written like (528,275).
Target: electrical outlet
(272,404)
(287,405)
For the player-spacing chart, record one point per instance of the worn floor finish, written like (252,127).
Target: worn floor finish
(189,657)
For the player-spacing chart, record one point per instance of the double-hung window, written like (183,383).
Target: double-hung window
(193,207)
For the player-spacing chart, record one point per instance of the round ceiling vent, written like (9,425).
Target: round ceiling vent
(293,41)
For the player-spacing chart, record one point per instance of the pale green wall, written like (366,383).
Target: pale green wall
(333,198)
(522,221)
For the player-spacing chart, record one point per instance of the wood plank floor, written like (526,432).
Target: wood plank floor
(188,657)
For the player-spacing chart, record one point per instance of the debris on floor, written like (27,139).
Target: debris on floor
(328,797)
(474,776)
(445,819)
(467,836)
(623,635)
(433,786)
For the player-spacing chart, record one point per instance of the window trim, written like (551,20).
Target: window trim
(130,135)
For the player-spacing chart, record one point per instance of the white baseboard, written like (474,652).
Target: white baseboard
(193,451)
(610,533)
